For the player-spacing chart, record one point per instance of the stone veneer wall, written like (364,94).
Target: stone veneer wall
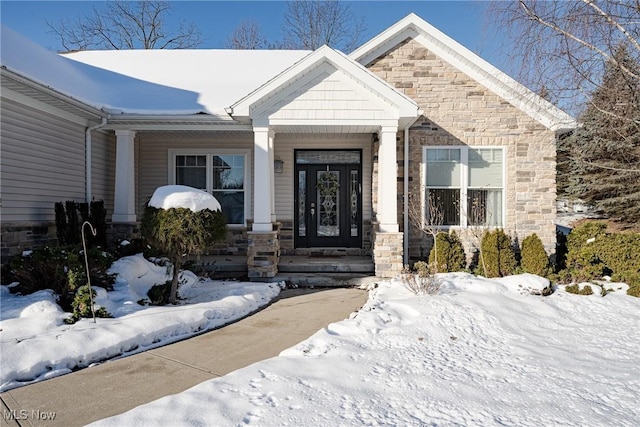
(460,111)
(387,253)
(263,254)
(19,237)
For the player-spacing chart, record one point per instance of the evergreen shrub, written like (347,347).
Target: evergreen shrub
(177,232)
(81,305)
(534,258)
(575,289)
(497,257)
(450,253)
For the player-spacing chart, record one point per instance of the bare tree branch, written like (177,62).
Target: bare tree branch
(125,25)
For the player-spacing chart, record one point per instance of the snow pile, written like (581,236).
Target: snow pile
(482,352)
(36,344)
(181,196)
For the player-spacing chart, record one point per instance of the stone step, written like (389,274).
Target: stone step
(324,280)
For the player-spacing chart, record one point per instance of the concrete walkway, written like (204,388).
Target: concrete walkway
(120,385)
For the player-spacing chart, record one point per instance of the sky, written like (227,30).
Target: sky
(463,21)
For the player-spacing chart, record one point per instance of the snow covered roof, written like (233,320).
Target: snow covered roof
(150,82)
(414,27)
(218,77)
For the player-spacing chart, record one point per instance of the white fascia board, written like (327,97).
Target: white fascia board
(412,26)
(405,105)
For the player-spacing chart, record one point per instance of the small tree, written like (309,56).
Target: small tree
(449,253)
(498,258)
(534,257)
(428,219)
(181,232)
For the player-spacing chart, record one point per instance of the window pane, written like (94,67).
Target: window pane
(446,206)
(188,171)
(485,167)
(232,203)
(443,167)
(228,172)
(484,207)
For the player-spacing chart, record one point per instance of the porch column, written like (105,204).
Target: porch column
(388,181)
(124,208)
(262,179)
(273,176)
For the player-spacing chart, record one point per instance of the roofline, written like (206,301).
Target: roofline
(412,26)
(81,105)
(323,53)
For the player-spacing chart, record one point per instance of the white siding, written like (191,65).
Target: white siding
(154,155)
(42,163)
(103,168)
(285,144)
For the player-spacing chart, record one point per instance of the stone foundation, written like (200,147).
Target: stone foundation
(388,253)
(263,255)
(17,238)
(118,232)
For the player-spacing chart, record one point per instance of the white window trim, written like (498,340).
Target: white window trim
(171,178)
(464,181)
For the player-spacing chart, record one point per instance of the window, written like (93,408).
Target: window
(222,173)
(464,185)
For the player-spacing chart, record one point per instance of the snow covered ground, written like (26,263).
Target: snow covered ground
(480,352)
(36,344)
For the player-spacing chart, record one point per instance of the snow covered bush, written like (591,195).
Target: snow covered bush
(182,221)
(450,253)
(81,305)
(575,289)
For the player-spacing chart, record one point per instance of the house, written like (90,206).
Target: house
(306,151)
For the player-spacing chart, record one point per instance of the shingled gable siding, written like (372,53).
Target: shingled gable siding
(460,111)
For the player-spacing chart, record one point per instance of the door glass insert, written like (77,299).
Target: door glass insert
(302,203)
(353,202)
(328,196)
(327,157)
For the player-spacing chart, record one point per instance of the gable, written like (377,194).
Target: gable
(414,28)
(325,95)
(326,88)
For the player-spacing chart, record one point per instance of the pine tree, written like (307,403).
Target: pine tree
(600,162)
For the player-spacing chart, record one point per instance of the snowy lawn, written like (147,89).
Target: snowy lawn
(482,352)
(36,344)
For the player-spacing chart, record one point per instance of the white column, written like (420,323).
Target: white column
(273,176)
(124,208)
(262,180)
(388,181)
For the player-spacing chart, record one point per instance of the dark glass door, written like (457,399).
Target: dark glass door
(329,205)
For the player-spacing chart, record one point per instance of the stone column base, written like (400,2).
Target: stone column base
(263,255)
(117,232)
(388,253)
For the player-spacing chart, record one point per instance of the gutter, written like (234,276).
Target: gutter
(88,157)
(405,189)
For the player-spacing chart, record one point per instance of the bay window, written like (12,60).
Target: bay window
(222,173)
(464,185)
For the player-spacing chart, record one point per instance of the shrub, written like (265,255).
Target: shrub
(575,289)
(450,253)
(60,269)
(68,225)
(497,255)
(583,245)
(180,231)
(561,252)
(534,258)
(160,294)
(81,305)
(419,281)
(594,253)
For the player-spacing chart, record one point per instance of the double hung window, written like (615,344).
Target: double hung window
(223,173)
(464,185)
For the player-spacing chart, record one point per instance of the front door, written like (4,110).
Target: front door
(328,199)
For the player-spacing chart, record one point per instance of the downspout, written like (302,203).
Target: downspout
(405,189)
(88,155)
